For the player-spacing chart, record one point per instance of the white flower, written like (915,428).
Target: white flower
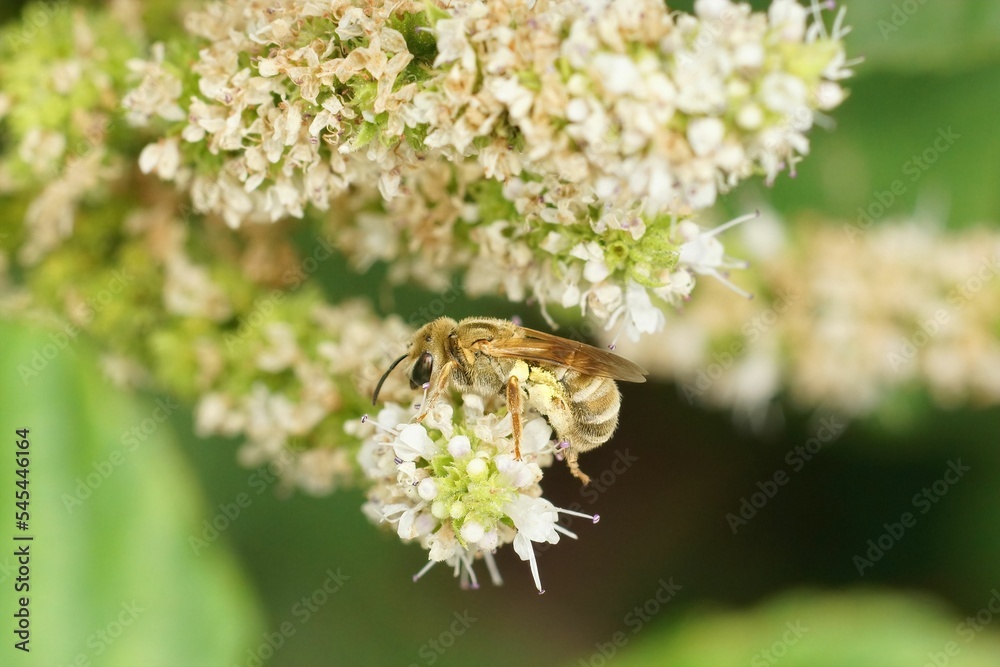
(750,116)
(216,413)
(534,517)
(788,17)
(518,473)
(704,254)
(749,56)
(459,501)
(162,158)
(282,351)
(535,437)
(413,443)
(643,316)
(595,269)
(427,488)
(477,469)
(459,446)
(785,94)
(536,521)
(711,9)
(472,531)
(157,93)
(188,290)
(705,135)
(619,74)
(452,44)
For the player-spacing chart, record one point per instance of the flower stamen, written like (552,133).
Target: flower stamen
(423,570)
(732,223)
(467,563)
(565,531)
(491,565)
(423,400)
(593,517)
(391,431)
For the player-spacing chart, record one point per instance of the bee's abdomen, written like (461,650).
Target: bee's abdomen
(595,402)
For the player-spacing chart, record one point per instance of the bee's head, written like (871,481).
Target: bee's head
(427,350)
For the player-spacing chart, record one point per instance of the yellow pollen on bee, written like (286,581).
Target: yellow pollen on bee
(544,387)
(521,371)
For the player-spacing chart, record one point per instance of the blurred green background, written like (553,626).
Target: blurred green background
(661,580)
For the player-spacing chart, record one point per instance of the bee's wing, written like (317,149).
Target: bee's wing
(540,346)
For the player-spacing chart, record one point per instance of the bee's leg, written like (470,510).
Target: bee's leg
(571,460)
(514,408)
(438,384)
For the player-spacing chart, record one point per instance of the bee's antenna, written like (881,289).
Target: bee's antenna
(378,387)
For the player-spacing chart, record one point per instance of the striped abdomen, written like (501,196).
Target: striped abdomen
(582,409)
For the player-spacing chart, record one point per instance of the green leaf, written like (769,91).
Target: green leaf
(810,629)
(114,578)
(923,36)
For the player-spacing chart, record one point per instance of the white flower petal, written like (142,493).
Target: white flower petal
(535,436)
(523,548)
(414,443)
(459,446)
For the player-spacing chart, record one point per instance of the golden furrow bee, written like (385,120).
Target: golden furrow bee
(570,383)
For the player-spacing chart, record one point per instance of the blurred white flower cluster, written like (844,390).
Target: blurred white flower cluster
(547,151)
(452,484)
(305,387)
(845,320)
(62,156)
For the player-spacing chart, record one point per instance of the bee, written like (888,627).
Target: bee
(571,384)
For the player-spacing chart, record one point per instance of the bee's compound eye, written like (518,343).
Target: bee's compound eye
(421,373)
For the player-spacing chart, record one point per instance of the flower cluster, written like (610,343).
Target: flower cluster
(452,484)
(547,150)
(628,106)
(57,104)
(621,278)
(281,110)
(623,104)
(847,318)
(308,383)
